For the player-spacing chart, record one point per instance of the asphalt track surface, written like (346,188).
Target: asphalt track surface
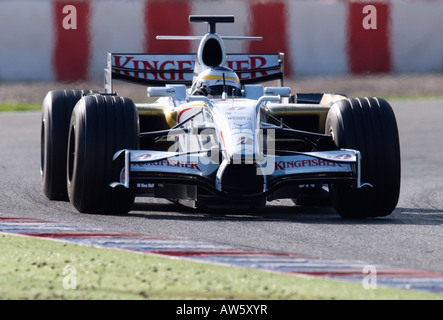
(411,237)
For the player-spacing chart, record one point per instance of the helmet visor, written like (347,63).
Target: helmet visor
(230,90)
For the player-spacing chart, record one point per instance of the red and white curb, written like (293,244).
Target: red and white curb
(216,253)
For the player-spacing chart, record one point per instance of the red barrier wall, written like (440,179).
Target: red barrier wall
(262,16)
(160,21)
(72,46)
(369,49)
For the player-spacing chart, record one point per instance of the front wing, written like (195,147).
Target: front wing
(144,167)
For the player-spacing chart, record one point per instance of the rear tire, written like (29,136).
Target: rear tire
(369,126)
(100,126)
(56,115)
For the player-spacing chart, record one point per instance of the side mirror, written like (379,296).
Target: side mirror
(161,92)
(278,91)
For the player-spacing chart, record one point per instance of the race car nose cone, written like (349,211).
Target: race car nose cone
(242,179)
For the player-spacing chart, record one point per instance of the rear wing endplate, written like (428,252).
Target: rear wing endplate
(162,69)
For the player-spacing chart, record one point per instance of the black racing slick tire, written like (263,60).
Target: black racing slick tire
(100,126)
(369,126)
(56,115)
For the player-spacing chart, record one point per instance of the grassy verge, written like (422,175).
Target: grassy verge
(41,269)
(19,107)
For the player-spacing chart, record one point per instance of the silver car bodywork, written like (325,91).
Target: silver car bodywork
(207,150)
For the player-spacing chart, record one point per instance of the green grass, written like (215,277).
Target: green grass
(19,107)
(33,268)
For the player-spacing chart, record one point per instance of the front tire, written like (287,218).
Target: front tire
(100,126)
(369,126)
(56,115)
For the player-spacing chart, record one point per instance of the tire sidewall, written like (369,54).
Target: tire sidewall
(57,108)
(369,126)
(100,126)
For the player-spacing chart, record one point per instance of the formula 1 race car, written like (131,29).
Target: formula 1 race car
(215,136)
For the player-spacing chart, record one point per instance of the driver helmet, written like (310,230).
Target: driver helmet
(210,82)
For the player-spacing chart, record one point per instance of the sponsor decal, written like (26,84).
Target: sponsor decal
(193,165)
(242,118)
(233,108)
(143,157)
(251,63)
(283,165)
(243,127)
(345,156)
(135,65)
(154,63)
(244,140)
